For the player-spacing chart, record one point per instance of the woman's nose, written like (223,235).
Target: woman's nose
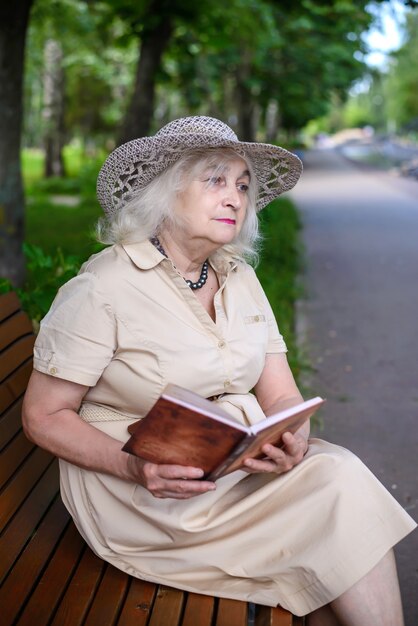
(232,197)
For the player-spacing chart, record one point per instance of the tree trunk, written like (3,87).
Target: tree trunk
(245,100)
(53,109)
(14,18)
(245,108)
(272,121)
(139,116)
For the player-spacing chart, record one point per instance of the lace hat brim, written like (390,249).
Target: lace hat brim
(133,165)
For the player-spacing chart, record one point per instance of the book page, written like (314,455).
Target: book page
(314,403)
(191,400)
(271,431)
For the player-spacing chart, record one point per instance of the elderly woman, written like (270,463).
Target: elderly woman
(174,301)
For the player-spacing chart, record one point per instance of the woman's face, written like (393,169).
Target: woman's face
(213,206)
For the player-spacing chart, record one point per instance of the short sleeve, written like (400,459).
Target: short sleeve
(276,344)
(77,337)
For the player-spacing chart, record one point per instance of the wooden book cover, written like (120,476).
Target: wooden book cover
(182,428)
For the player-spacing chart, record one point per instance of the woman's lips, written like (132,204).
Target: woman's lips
(226,220)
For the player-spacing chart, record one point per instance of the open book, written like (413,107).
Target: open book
(182,428)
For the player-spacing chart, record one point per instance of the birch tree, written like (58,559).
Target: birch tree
(53,108)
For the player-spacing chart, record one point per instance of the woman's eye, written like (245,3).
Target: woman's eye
(215,180)
(243,187)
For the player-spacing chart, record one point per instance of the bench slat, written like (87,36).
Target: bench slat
(265,616)
(10,423)
(138,604)
(167,607)
(232,612)
(9,304)
(16,326)
(23,577)
(13,456)
(199,609)
(15,355)
(15,386)
(21,484)
(48,592)
(18,533)
(78,596)
(109,598)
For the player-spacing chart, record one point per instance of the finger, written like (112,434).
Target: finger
(265,465)
(278,455)
(292,445)
(277,460)
(173,472)
(192,486)
(182,489)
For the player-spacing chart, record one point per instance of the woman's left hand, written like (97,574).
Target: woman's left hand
(279,460)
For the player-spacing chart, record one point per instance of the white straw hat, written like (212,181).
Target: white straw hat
(133,165)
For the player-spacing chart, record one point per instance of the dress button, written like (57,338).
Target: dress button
(227,383)
(53,370)
(256,318)
(221,344)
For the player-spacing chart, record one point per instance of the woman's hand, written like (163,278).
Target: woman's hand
(168,481)
(280,460)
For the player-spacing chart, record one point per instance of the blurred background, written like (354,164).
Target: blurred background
(78,77)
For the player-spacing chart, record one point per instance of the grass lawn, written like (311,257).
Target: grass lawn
(61,213)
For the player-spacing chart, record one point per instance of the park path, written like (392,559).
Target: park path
(358,324)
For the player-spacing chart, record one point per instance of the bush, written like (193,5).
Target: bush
(281,261)
(46,274)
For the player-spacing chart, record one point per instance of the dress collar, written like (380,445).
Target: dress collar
(143,254)
(146,256)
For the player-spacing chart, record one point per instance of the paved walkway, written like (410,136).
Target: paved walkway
(359,324)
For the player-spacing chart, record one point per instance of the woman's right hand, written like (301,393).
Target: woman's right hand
(168,481)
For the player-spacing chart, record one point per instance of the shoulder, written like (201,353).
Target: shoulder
(92,283)
(244,283)
(106,263)
(231,265)
(106,270)
(245,269)
(247,274)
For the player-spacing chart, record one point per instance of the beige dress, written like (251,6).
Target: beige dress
(127,326)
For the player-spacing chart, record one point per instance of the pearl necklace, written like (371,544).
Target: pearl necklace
(203,274)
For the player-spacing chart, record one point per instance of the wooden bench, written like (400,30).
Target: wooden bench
(48,575)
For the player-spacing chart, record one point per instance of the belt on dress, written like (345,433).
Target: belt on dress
(239,404)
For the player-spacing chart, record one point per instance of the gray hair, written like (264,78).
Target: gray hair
(143,215)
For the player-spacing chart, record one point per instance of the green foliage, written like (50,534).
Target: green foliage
(46,274)
(402,83)
(61,213)
(280,267)
(364,108)
(386,100)
(318,57)
(295,54)
(99,60)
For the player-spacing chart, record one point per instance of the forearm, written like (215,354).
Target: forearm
(276,390)
(286,403)
(67,436)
